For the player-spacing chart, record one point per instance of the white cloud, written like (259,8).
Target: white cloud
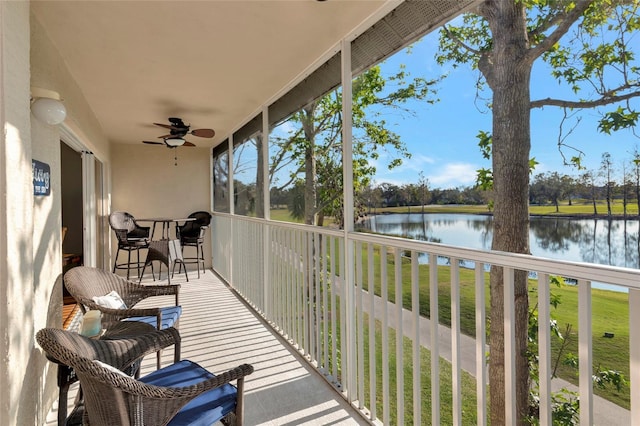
(440,175)
(451,175)
(418,162)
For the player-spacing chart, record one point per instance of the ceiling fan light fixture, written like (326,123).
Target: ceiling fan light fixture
(174,142)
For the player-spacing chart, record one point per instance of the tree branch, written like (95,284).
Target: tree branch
(460,42)
(565,22)
(604,100)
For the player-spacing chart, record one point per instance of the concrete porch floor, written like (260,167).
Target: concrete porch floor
(219,332)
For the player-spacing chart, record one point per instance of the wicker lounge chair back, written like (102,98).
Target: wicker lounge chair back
(88,285)
(183,392)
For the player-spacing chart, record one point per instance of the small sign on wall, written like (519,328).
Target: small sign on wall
(41,178)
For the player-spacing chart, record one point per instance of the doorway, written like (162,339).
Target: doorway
(72,207)
(83,208)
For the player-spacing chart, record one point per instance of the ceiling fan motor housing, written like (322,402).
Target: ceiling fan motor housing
(177,131)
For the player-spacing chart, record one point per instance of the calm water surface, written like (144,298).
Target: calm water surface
(606,242)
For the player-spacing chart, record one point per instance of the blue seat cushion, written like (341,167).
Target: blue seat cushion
(170,315)
(207,408)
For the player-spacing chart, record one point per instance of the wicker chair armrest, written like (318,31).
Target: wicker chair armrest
(138,312)
(122,313)
(156,290)
(135,348)
(141,291)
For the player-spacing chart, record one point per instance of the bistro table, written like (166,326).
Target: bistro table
(166,224)
(165,250)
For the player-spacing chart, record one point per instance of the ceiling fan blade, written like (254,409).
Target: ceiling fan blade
(166,136)
(153,143)
(203,133)
(166,126)
(187,143)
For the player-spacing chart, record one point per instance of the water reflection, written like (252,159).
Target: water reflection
(601,241)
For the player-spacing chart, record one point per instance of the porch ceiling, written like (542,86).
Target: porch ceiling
(212,63)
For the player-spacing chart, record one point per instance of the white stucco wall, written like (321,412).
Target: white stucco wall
(147,183)
(19,297)
(30,227)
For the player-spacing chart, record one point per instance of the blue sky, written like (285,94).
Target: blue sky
(442,136)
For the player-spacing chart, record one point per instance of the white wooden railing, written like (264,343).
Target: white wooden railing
(313,285)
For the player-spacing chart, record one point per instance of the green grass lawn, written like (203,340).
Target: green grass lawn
(610,313)
(577,208)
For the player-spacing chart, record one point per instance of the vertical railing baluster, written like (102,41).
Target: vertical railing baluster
(585,352)
(372,334)
(317,335)
(334,312)
(399,336)
(299,268)
(415,309)
(325,305)
(435,352)
(456,372)
(481,341)
(634,354)
(544,346)
(509,346)
(307,279)
(290,287)
(343,314)
(360,325)
(275,277)
(384,293)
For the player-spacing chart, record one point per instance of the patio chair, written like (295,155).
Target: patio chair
(179,394)
(131,237)
(117,298)
(191,234)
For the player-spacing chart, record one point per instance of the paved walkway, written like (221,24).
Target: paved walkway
(604,411)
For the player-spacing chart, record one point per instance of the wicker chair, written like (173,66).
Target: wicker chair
(191,234)
(182,393)
(131,237)
(85,283)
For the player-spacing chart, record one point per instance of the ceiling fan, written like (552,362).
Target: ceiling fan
(177,131)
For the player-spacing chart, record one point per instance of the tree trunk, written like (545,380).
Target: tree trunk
(509,80)
(260,207)
(310,187)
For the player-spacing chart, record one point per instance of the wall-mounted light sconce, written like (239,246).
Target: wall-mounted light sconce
(47,106)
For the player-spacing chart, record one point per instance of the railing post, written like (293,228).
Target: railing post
(634,354)
(481,340)
(434,319)
(347,170)
(509,346)
(585,352)
(544,346)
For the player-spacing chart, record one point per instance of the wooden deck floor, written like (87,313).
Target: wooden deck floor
(219,332)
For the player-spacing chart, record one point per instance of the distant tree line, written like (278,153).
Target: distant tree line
(610,182)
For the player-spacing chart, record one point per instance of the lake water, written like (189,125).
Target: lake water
(607,242)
